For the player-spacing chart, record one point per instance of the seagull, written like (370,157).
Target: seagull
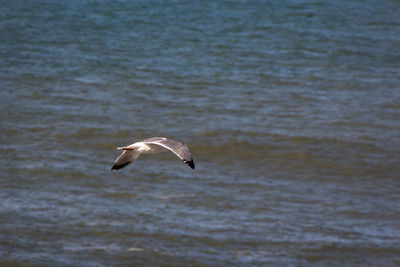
(150,146)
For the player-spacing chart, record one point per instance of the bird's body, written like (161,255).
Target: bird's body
(151,146)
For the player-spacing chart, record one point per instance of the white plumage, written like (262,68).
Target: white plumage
(150,146)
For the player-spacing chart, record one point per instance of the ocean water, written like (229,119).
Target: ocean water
(291,110)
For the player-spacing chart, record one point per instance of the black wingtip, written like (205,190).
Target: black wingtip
(119,166)
(190,163)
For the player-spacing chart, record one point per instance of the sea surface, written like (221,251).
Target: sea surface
(291,110)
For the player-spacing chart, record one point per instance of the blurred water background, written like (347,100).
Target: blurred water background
(291,110)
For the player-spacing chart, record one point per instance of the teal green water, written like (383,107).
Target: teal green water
(290,108)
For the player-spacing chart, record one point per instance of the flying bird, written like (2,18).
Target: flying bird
(150,146)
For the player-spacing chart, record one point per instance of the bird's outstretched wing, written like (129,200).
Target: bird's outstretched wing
(127,157)
(178,148)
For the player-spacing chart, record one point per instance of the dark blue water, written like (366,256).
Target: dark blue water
(290,108)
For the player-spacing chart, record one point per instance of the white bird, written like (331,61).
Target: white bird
(150,146)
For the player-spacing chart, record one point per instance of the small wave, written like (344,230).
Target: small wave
(89,79)
(83,247)
(172,196)
(133,249)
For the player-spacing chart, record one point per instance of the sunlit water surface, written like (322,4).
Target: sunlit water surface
(291,110)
